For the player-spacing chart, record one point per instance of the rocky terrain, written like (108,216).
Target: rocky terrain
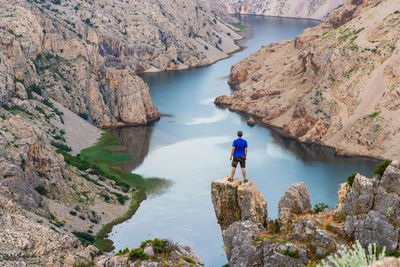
(314,9)
(336,84)
(86,55)
(368,211)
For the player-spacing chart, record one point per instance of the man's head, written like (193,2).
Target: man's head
(239,133)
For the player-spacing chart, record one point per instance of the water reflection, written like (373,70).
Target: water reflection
(136,140)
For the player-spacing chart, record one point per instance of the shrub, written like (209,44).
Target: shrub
(293,254)
(121,198)
(350,179)
(187,259)
(72,212)
(83,115)
(47,103)
(41,190)
(137,253)
(122,252)
(82,217)
(159,245)
(355,256)
(275,227)
(60,146)
(319,207)
(84,237)
(380,169)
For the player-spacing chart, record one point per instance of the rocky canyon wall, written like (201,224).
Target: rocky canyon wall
(336,84)
(314,9)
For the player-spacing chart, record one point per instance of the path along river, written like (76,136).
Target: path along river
(191,146)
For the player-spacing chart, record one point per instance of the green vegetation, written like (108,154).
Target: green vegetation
(60,146)
(72,212)
(293,254)
(275,227)
(41,190)
(83,264)
(350,179)
(188,260)
(136,254)
(355,256)
(239,26)
(380,169)
(160,246)
(84,237)
(319,207)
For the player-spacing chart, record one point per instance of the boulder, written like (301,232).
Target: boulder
(288,255)
(235,201)
(387,261)
(296,200)
(241,246)
(373,228)
(251,121)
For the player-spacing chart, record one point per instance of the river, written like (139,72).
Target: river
(191,146)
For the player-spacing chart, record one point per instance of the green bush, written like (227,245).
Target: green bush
(380,169)
(319,207)
(293,254)
(188,260)
(350,179)
(275,227)
(84,237)
(355,256)
(47,103)
(82,217)
(83,115)
(41,190)
(136,254)
(159,245)
(72,212)
(60,146)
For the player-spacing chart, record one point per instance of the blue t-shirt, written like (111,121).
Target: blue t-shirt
(239,144)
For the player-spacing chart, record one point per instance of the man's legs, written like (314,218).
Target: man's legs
(243,173)
(233,172)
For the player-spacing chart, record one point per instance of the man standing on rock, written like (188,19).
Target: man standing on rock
(239,153)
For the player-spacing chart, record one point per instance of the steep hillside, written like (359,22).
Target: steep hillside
(336,84)
(315,9)
(86,54)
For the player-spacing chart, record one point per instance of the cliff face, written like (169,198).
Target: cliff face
(335,84)
(315,9)
(368,212)
(85,55)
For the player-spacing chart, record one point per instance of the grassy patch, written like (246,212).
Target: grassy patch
(239,26)
(350,179)
(319,207)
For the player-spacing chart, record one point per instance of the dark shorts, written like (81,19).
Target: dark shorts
(241,160)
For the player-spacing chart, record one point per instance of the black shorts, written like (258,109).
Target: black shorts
(241,160)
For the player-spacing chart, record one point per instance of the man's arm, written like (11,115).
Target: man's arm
(245,153)
(233,151)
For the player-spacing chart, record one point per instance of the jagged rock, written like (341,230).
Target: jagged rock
(148,250)
(359,198)
(234,201)
(296,200)
(373,228)
(386,262)
(274,255)
(241,246)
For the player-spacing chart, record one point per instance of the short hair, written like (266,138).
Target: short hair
(239,133)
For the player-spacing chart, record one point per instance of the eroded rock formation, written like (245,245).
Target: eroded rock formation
(336,84)
(284,8)
(301,236)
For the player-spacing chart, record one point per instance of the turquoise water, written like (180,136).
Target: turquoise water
(191,146)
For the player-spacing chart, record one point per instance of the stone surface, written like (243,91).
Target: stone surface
(387,262)
(240,244)
(235,201)
(296,200)
(274,255)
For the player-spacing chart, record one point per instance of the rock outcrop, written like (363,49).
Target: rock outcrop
(336,84)
(296,200)
(301,236)
(237,201)
(284,8)
(164,253)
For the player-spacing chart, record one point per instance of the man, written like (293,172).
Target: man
(239,153)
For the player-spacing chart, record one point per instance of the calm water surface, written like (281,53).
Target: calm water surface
(191,146)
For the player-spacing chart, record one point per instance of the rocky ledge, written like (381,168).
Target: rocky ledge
(368,211)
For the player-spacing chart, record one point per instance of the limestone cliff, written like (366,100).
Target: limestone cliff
(336,84)
(85,55)
(283,8)
(368,212)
